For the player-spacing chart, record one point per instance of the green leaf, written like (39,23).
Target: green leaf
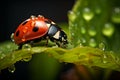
(80,55)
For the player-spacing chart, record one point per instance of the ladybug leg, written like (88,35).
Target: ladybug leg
(20,47)
(58,43)
(47,38)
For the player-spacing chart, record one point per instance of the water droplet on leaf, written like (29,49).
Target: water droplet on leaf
(83,30)
(11,68)
(28,58)
(102,46)
(72,15)
(108,29)
(88,14)
(104,58)
(116,15)
(72,34)
(26,46)
(92,32)
(12,35)
(83,40)
(92,42)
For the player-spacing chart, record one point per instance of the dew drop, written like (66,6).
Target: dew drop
(87,14)
(28,58)
(72,34)
(92,42)
(92,32)
(102,46)
(83,30)
(104,58)
(104,61)
(83,40)
(12,35)
(116,15)
(26,46)
(108,29)
(11,68)
(72,15)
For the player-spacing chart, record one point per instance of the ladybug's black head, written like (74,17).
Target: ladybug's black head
(63,37)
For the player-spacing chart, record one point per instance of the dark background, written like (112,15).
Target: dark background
(13,12)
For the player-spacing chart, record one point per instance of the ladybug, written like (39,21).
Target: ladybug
(39,28)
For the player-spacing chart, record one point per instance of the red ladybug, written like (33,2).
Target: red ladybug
(39,28)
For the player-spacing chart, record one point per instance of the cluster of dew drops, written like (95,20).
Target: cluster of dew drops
(8,49)
(107,30)
(88,14)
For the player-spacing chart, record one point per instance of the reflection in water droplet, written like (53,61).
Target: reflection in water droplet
(28,58)
(83,30)
(92,32)
(26,46)
(116,15)
(11,68)
(72,15)
(108,29)
(102,46)
(87,14)
(92,42)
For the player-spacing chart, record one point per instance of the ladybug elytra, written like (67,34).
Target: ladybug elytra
(39,28)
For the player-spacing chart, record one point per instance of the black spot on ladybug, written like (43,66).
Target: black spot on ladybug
(17,33)
(35,29)
(24,22)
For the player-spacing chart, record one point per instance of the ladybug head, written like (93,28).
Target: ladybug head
(63,37)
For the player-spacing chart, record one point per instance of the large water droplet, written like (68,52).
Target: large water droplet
(92,32)
(28,58)
(108,29)
(11,68)
(102,46)
(88,14)
(26,46)
(92,42)
(72,15)
(116,15)
(83,30)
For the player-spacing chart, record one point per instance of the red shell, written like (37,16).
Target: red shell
(25,32)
